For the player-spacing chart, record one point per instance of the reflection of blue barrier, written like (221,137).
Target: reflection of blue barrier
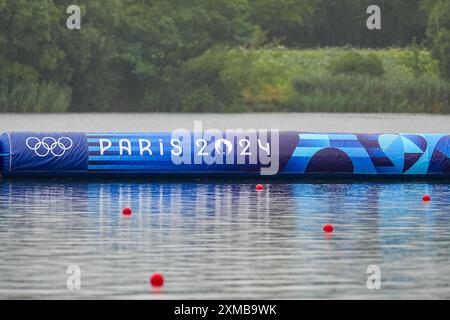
(288,154)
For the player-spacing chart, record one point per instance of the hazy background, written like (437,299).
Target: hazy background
(225,56)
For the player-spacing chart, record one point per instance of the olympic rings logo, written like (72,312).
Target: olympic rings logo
(48,145)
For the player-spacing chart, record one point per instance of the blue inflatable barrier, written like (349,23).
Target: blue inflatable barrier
(255,153)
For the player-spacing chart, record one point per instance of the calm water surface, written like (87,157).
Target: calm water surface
(222,239)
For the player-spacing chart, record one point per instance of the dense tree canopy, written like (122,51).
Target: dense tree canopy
(439,32)
(132,53)
(341,22)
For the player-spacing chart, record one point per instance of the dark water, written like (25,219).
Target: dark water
(224,240)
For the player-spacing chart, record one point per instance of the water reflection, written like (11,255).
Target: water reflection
(216,240)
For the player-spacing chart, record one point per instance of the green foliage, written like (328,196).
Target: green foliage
(229,80)
(361,93)
(203,55)
(417,59)
(204,85)
(281,19)
(439,32)
(27,34)
(342,22)
(156,38)
(355,63)
(30,58)
(214,81)
(33,97)
(127,54)
(89,63)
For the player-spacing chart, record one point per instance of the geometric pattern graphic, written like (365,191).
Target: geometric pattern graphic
(440,156)
(383,154)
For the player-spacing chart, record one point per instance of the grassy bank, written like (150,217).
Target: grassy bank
(276,79)
(306,80)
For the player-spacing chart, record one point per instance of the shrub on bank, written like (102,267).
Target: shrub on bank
(226,79)
(215,81)
(361,93)
(355,63)
(33,97)
(266,78)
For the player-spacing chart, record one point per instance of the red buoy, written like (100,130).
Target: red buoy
(328,228)
(426,198)
(157,280)
(259,187)
(126,211)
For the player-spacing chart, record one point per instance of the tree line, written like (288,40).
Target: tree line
(140,55)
